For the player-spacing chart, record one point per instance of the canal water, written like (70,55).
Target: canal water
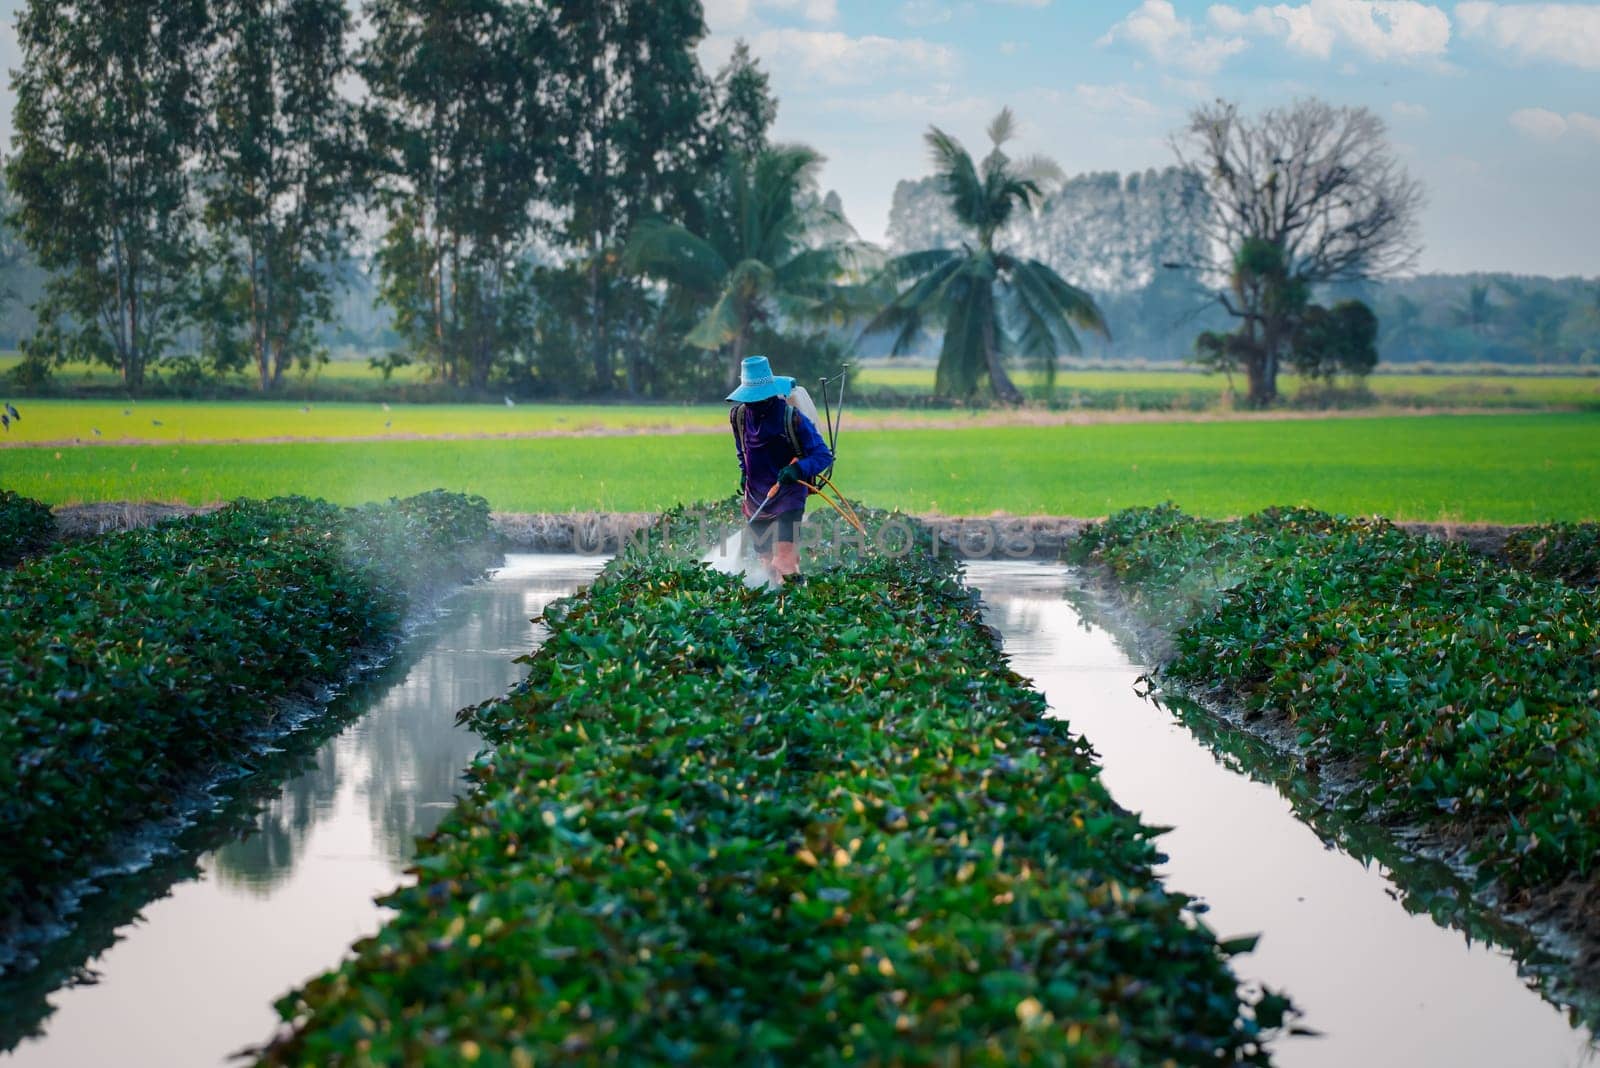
(193,979)
(1385,986)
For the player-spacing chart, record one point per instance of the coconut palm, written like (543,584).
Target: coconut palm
(770,250)
(990,302)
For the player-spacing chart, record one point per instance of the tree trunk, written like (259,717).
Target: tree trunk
(600,349)
(1005,390)
(1255,372)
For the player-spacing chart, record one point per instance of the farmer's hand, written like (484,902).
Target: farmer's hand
(789,475)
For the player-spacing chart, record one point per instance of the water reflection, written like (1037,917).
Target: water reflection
(195,977)
(1386,986)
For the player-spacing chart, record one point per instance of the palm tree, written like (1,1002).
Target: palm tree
(771,250)
(991,303)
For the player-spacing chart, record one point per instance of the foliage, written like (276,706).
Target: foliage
(26,526)
(724,826)
(131,665)
(1566,551)
(107,124)
(460,132)
(1328,342)
(1465,693)
(989,302)
(745,106)
(763,262)
(281,156)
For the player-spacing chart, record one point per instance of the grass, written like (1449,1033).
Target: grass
(1510,468)
(1161,389)
(64,420)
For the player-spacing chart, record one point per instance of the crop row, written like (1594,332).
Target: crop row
(1566,551)
(26,526)
(721,825)
(1468,693)
(133,663)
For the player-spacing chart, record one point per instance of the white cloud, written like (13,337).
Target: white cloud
(1156,28)
(1584,125)
(925,12)
(1407,110)
(821,12)
(1112,99)
(1542,124)
(835,58)
(1008,48)
(939,106)
(1379,29)
(1192,88)
(1565,33)
(724,15)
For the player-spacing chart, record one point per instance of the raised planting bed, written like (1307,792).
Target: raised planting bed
(1566,551)
(720,825)
(26,526)
(135,665)
(1450,692)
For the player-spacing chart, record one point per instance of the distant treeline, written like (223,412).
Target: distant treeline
(1113,234)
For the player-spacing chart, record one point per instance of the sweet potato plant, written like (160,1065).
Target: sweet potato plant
(1467,692)
(133,664)
(729,826)
(26,526)
(1566,551)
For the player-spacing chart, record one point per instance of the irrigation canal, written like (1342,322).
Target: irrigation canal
(193,979)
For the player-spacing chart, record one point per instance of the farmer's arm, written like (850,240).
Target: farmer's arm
(816,456)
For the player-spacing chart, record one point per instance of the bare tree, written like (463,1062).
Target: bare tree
(1296,197)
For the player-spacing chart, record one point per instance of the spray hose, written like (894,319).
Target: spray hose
(837,502)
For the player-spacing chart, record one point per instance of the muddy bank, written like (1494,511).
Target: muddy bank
(1003,537)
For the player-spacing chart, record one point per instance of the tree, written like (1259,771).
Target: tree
(744,108)
(281,151)
(459,132)
(106,128)
(990,302)
(1310,191)
(1476,312)
(632,108)
(756,263)
(1332,341)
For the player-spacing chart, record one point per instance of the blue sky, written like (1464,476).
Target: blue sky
(1495,106)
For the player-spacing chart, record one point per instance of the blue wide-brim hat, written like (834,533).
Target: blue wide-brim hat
(757,382)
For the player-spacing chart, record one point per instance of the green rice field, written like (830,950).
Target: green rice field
(1191,389)
(1492,468)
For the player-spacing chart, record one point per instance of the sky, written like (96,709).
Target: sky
(1494,106)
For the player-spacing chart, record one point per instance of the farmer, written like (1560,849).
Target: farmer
(778,446)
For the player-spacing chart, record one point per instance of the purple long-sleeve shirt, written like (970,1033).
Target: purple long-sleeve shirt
(765,449)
